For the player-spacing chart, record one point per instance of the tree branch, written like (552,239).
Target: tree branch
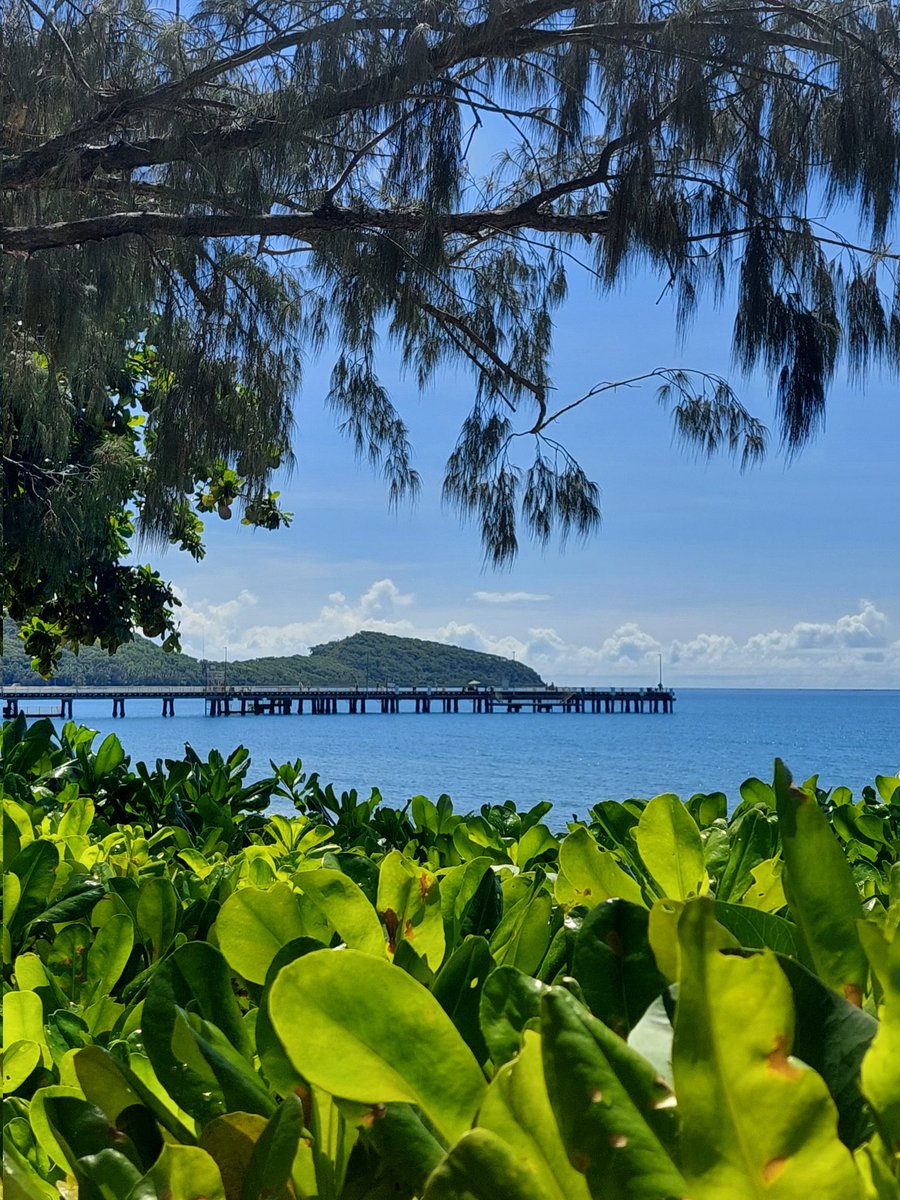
(304,226)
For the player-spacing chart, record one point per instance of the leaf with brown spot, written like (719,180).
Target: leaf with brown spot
(614,964)
(778,1062)
(517,1109)
(625,1143)
(391,924)
(411,896)
(773,1169)
(744,1103)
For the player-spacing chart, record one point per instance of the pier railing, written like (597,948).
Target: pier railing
(222,700)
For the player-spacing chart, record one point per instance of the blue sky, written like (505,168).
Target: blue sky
(787,575)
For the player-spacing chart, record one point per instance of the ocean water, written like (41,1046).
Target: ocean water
(713,741)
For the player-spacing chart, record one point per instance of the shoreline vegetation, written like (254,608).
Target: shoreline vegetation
(360,1002)
(376,658)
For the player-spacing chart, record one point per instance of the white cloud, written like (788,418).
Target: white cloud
(510,597)
(629,644)
(472,638)
(865,628)
(207,628)
(708,648)
(854,648)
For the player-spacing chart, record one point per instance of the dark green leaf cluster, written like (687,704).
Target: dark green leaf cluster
(360,1002)
(249,184)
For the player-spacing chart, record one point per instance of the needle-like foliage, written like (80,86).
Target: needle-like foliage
(241,185)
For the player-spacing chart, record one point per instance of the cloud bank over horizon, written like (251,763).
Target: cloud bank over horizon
(857,649)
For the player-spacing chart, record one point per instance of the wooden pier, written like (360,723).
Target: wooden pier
(223,701)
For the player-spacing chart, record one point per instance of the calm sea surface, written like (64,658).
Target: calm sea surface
(714,741)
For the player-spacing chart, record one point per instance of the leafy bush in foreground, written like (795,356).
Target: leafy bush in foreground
(362,1003)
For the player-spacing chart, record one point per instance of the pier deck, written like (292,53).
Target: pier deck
(221,701)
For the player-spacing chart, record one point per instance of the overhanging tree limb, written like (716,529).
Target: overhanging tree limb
(306,226)
(477,151)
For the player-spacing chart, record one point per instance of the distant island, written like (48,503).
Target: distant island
(365,659)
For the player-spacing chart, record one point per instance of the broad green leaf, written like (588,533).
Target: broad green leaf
(717,849)
(66,959)
(20,1181)
(458,989)
(876,1171)
(253,925)
(139,1074)
(662,931)
(271,1164)
(23,1019)
(359,1028)
(197,862)
(458,888)
(589,875)
(706,808)
(78,899)
(275,1064)
(76,820)
(754,791)
(103,1082)
(533,843)
(109,756)
(510,1003)
(766,892)
(230,1141)
(557,962)
(616,1116)
(35,865)
(345,906)
(102,1158)
(888,787)
(483,1167)
(881,1067)
(334,1125)
(517,1109)
(671,847)
(12,894)
(404,1142)
(108,954)
(483,912)
(831,1035)
(409,903)
(19,1060)
(181,1173)
(614,964)
(752,839)
(754,1122)
(820,888)
(523,935)
(157,915)
(757,930)
(241,1087)
(17,829)
(44,1132)
(29,972)
(194,1036)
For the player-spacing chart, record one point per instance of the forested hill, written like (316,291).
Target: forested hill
(376,658)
